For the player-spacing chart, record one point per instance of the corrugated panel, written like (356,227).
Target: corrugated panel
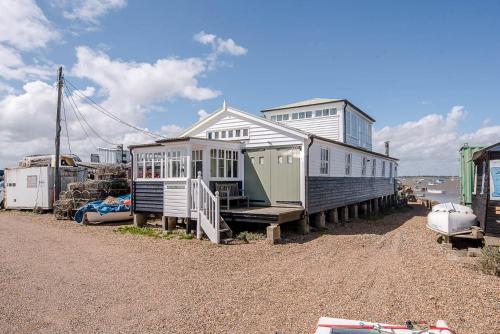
(148,197)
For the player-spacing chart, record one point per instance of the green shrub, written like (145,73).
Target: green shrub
(130,229)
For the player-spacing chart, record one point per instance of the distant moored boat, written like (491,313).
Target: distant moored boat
(435,191)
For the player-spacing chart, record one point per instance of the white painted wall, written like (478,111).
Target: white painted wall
(259,134)
(329,127)
(175,199)
(337,161)
(19,196)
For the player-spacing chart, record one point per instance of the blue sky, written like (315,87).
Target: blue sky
(400,61)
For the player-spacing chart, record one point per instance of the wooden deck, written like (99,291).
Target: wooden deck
(263,215)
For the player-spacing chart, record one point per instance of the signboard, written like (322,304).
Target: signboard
(495,180)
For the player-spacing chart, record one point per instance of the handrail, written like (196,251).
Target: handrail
(206,206)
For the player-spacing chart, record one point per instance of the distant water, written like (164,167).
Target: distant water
(450,186)
(441,198)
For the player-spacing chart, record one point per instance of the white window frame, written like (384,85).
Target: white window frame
(348,164)
(374,167)
(390,171)
(32,181)
(224,156)
(474,191)
(383,168)
(364,163)
(483,178)
(324,165)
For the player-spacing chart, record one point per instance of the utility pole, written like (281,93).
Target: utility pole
(57,176)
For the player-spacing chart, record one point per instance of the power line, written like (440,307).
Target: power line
(85,120)
(66,125)
(110,114)
(78,118)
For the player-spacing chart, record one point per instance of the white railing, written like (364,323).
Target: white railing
(205,208)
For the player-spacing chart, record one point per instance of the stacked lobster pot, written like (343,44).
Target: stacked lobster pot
(109,181)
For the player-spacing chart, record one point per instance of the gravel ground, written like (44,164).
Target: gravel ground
(58,277)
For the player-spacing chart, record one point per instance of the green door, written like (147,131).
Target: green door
(258,177)
(272,176)
(285,176)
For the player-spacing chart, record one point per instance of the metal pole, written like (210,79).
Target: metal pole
(57,177)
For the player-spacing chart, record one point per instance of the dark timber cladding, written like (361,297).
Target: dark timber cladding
(148,197)
(486,209)
(326,193)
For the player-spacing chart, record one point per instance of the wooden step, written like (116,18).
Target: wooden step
(226,241)
(224,230)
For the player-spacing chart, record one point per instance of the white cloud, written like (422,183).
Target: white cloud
(220,45)
(484,136)
(4,88)
(170,130)
(202,113)
(28,123)
(430,145)
(24,26)
(134,84)
(90,11)
(12,66)
(127,89)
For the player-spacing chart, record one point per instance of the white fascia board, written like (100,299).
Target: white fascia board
(295,133)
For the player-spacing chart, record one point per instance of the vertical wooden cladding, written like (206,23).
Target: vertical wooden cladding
(148,197)
(326,193)
(486,210)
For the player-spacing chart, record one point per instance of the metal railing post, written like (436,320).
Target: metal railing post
(217,216)
(199,195)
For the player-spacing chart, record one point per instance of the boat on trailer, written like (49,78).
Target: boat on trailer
(328,325)
(451,219)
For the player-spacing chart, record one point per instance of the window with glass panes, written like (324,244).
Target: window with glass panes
(224,163)
(348,162)
(196,163)
(363,166)
(324,161)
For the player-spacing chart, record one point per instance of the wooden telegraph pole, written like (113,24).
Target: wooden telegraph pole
(57,174)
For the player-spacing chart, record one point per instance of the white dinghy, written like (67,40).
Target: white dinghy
(450,219)
(344,326)
(435,191)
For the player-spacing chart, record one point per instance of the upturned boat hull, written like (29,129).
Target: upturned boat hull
(96,217)
(450,219)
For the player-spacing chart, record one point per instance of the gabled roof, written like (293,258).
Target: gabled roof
(243,114)
(318,101)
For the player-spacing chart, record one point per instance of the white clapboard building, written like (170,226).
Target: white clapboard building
(306,161)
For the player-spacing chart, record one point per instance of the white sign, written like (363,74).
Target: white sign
(495,180)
